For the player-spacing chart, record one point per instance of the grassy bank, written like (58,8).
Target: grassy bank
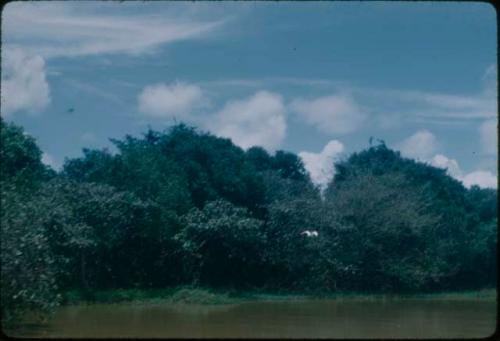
(483,294)
(192,295)
(182,295)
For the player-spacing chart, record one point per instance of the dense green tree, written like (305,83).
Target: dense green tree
(20,156)
(479,268)
(184,206)
(176,169)
(443,197)
(94,166)
(295,260)
(289,165)
(28,267)
(484,203)
(259,158)
(379,160)
(108,238)
(278,188)
(28,270)
(398,244)
(221,244)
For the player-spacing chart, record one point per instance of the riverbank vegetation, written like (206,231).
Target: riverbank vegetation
(186,208)
(200,296)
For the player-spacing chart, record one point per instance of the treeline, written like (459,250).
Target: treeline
(186,207)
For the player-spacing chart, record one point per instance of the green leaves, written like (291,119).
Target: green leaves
(28,274)
(220,237)
(414,222)
(183,206)
(20,156)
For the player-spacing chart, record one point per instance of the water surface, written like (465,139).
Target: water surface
(401,318)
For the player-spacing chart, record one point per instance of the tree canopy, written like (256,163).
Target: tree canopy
(186,207)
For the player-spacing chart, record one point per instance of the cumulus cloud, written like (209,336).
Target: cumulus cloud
(169,101)
(451,165)
(420,145)
(33,32)
(489,137)
(321,165)
(54,29)
(480,178)
(257,120)
(24,84)
(483,179)
(331,114)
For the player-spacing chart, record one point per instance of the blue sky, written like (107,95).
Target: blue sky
(315,78)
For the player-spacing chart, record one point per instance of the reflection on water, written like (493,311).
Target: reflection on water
(409,318)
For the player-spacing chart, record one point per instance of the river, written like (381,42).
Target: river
(398,318)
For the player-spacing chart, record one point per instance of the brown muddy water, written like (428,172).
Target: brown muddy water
(401,318)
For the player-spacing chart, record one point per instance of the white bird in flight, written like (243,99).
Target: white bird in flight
(310,233)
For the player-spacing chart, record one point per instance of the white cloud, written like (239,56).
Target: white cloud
(480,178)
(24,84)
(431,107)
(69,29)
(420,145)
(331,114)
(255,121)
(49,160)
(32,32)
(483,179)
(169,101)
(489,137)
(451,165)
(321,165)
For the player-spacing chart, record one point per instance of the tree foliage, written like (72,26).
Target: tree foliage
(28,271)
(186,207)
(221,243)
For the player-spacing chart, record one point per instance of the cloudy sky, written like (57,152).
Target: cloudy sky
(316,78)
